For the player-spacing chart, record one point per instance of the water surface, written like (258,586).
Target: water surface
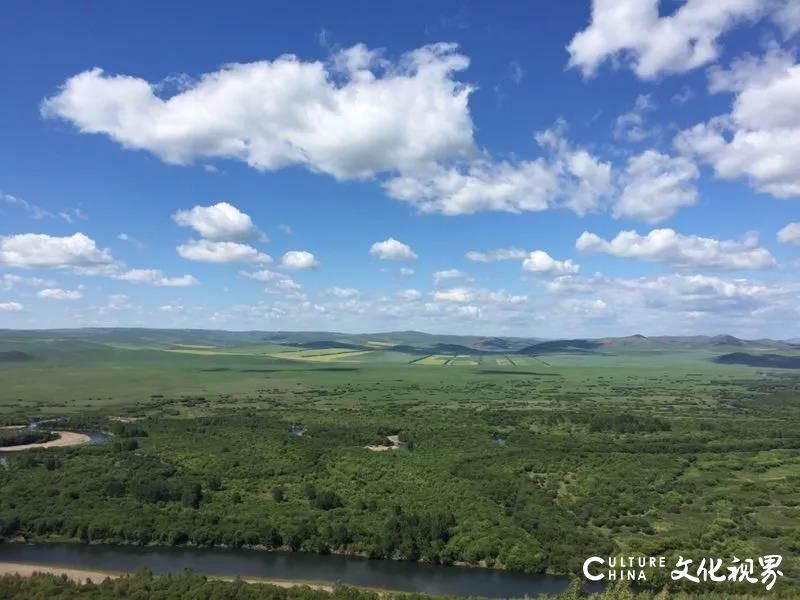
(393,575)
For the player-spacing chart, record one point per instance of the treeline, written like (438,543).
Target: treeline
(18,437)
(196,587)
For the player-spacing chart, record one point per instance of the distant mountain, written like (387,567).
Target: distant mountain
(413,342)
(496,344)
(561,346)
(324,344)
(776,361)
(726,340)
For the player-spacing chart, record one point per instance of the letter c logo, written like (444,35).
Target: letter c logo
(589,561)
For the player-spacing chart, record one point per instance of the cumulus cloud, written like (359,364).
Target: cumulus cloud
(484,297)
(760,138)
(59,294)
(655,186)
(631,126)
(221,252)
(569,176)
(631,33)
(459,294)
(9,281)
(221,221)
(409,295)
(496,255)
(156,277)
(687,303)
(275,282)
(541,263)
(46,251)
(392,249)
(339,292)
(352,117)
(299,260)
(448,275)
(790,234)
(681,251)
(10,307)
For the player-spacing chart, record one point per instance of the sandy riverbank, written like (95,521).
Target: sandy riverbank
(65,438)
(81,575)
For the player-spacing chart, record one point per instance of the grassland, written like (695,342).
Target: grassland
(526,461)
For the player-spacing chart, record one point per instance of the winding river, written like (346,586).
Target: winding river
(392,575)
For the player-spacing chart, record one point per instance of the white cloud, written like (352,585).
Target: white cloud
(483,297)
(355,116)
(681,251)
(458,294)
(655,186)
(126,237)
(790,234)
(339,292)
(631,126)
(449,274)
(276,282)
(410,295)
(407,271)
(59,294)
(480,186)
(10,307)
(571,177)
(496,255)
(760,138)
(42,250)
(515,72)
(117,302)
(288,285)
(156,277)
(172,308)
(392,249)
(677,304)
(263,275)
(748,71)
(9,281)
(299,260)
(542,263)
(633,34)
(221,221)
(221,252)
(584,308)
(34,211)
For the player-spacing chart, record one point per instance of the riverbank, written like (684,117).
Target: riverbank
(65,438)
(98,576)
(284,568)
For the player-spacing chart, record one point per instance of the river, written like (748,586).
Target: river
(392,575)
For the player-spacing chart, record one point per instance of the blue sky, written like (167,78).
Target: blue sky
(548,169)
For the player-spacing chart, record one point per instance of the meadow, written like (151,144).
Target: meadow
(529,460)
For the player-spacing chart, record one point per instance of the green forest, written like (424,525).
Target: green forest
(530,472)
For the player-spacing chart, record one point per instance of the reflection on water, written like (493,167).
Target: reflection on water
(403,576)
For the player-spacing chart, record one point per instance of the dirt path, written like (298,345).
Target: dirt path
(81,575)
(65,438)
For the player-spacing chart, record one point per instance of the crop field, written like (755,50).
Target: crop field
(526,461)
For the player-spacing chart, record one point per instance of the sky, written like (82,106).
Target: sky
(544,169)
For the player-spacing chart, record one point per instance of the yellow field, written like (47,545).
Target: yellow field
(193,346)
(436,359)
(211,352)
(321,355)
